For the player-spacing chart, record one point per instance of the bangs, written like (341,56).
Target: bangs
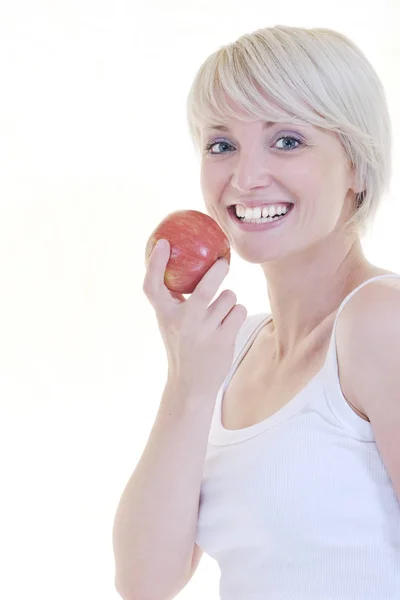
(237,84)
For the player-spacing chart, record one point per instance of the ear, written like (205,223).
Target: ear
(355,184)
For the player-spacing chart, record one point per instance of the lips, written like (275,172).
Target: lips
(255,204)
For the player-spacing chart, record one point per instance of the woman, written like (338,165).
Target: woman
(286,423)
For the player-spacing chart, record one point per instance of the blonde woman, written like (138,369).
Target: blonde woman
(276,446)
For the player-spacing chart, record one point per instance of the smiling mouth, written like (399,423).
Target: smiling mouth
(232,210)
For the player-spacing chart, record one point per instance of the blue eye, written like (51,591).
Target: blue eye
(224,143)
(289,137)
(217,143)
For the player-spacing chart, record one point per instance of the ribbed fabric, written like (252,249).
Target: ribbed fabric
(300,506)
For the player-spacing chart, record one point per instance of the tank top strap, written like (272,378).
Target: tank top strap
(249,331)
(331,357)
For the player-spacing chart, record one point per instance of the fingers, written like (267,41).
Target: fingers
(234,320)
(208,286)
(153,283)
(224,313)
(219,309)
(158,293)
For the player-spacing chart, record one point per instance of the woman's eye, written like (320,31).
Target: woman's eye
(209,146)
(288,137)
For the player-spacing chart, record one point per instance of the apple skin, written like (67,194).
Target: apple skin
(196,242)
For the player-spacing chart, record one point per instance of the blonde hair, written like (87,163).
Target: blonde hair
(317,76)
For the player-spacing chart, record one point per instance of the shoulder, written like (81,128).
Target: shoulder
(372,314)
(368,342)
(368,348)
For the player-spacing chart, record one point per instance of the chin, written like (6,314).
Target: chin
(259,256)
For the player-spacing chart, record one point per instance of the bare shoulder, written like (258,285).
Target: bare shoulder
(367,328)
(364,310)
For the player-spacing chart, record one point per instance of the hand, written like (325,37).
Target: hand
(199,337)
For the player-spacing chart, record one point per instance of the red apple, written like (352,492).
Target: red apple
(196,242)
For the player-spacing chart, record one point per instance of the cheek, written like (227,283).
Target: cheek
(203,182)
(211,181)
(212,187)
(318,186)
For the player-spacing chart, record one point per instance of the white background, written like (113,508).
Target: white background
(94,152)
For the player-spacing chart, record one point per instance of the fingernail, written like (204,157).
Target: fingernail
(161,243)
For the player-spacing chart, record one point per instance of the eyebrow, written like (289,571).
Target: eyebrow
(267,125)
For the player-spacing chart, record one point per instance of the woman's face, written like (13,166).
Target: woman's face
(301,164)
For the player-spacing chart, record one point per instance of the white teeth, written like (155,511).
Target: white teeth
(249,212)
(264,211)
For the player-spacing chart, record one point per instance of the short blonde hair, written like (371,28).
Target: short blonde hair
(317,76)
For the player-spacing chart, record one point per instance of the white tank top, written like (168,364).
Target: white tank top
(300,506)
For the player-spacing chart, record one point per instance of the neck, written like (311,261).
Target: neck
(306,290)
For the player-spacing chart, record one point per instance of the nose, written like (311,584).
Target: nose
(250,171)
